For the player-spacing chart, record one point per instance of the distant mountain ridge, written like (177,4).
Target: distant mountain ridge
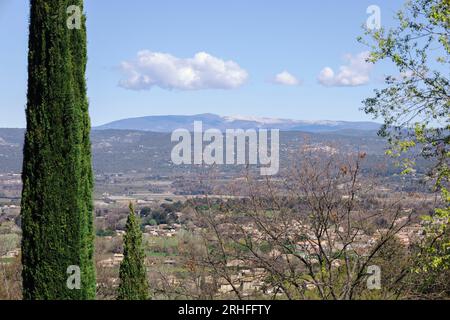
(172,122)
(116,151)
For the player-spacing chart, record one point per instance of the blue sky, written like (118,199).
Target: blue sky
(279,51)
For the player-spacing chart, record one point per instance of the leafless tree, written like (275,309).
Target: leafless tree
(306,234)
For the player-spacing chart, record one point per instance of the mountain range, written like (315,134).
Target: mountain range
(170,123)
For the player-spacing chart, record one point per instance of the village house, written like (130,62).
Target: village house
(114,261)
(11,254)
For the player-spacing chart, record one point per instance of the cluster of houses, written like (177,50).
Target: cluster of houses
(10,254)
(249,280)
(163,230)
(318,147)
(245,280)
(9,213)
(114,261)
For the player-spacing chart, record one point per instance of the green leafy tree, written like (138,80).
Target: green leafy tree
(415,106)
(133,273)
(57,209)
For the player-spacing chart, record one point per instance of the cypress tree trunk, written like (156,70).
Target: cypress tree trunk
(133,273)
(57,218)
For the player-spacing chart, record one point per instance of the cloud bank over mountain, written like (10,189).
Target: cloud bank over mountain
(166,71)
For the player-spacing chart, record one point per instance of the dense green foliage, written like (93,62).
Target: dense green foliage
(165,214)
(415,107)
(415,104)
(133,273)
(57,177)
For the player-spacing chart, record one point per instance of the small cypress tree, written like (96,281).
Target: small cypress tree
(133,273)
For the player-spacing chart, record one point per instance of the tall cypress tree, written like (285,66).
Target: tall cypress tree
(57,218)
(133,273)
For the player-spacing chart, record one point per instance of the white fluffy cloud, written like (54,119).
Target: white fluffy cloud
(355,73)
(285,78)
(166,71)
